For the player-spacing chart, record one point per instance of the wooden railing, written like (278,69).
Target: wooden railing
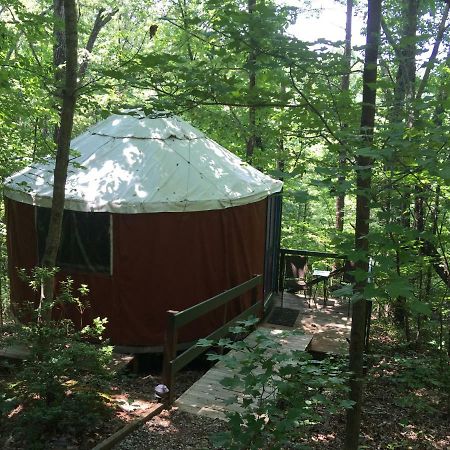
(177,319)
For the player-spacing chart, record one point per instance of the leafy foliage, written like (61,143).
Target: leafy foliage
(58,386)
(196,63)
(281,391)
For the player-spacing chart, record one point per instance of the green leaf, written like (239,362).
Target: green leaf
(366,151)
(346,403)
(345,291)
(399,287)
(204,343)
(420,308)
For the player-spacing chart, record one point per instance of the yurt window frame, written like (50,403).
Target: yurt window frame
(272,243)
(104,268)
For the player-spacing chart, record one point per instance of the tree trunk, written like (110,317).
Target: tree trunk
(442,95)
(345,87)
(252,139)
(70,38)
(281,158)
(406,71)
(404,111)
(439,263)
(363,184)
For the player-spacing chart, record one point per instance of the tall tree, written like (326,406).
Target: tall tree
(345,87)
(251,141)
(364,164)
(66,50)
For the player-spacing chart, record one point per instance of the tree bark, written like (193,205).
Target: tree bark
(70,38)
(59,34)
(363,184)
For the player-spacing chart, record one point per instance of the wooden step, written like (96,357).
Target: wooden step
(327,346)
(16,352)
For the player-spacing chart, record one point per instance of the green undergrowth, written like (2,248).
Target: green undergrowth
(420,374)
(281,393)
(58,389)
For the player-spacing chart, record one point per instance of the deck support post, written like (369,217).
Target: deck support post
(170,352)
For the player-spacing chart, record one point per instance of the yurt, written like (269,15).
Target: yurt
(157,217)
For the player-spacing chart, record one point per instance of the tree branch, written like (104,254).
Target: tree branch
(390,38)
(314,109)
(439,263)
(101,20)
(432,59)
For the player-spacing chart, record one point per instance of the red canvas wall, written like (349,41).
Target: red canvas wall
(161,261)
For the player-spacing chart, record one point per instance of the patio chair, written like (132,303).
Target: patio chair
(294,276)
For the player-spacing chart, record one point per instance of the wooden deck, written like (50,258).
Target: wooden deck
(207,397)
(330,325)
(326,330)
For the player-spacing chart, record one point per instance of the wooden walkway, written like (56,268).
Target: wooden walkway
(330,325)
(326,330)
(207,397)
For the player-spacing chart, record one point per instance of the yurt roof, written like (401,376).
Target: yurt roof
(130,163)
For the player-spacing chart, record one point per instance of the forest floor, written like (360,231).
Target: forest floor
(406,406)
(130,396)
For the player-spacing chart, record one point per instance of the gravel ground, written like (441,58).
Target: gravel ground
(173,430)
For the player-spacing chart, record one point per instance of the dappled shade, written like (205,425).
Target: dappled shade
(132,164)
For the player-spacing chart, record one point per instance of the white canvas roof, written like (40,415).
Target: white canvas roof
(135,164)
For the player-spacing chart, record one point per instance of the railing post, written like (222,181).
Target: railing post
(170,352)
(281,272)
(254,294)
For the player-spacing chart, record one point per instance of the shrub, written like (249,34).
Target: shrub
(57,390)
(282,391)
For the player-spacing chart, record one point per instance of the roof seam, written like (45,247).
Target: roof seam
(172,136)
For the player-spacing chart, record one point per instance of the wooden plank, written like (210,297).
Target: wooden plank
(218,375)
(288,251)
(186,316)
(15,351)
(287,340)
(205,411)
(215,399)
(199,400)
(214,389)
(175,320)
(118,436)
(208,397)
(170,351)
